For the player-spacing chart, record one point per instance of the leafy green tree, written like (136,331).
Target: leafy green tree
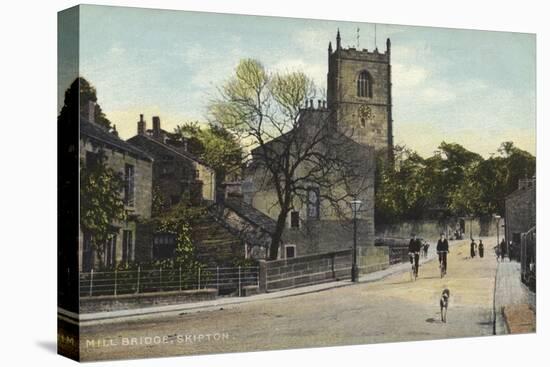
(178,220)
(215,145)
(76,103)
(518,164)
(158,202)
(452,182)
(401,189)
(264,110)
(100,201)
(487,183)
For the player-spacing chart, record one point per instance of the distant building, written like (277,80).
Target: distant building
(135,167)
(176,172)
(521,213)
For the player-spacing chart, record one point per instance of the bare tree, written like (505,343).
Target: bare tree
(292,149)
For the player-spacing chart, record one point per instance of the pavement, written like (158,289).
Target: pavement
(97,318)
(515,304)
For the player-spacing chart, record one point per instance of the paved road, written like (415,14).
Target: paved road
(389,310)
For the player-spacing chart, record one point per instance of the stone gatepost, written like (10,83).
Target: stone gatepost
(262,276)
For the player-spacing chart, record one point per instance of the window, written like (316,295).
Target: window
(295,219)
(92,160)
(313,203)
(128,252)
(364,85)
(174,199)
(197,174)
(290,251)
(164,246)
(129,185)
(109,252)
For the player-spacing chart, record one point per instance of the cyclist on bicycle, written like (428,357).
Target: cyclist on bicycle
(414,252)
(442,250)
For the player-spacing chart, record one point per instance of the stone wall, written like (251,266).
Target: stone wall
(372,258)
(304,270)
(320,236)
(520,212)
(320,268)
(430,229)
(132,301)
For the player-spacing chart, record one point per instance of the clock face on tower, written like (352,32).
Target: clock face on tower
(365,113)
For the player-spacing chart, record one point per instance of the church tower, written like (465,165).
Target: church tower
(359,94)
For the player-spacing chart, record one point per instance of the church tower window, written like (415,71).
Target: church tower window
(364,84)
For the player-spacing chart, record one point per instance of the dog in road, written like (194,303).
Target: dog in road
(444,303)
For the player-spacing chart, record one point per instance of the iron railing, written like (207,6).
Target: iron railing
(398,254)
(147,280)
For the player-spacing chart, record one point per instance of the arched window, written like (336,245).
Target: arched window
(364,84)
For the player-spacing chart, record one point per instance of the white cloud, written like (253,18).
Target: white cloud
(317,72)
(408,75)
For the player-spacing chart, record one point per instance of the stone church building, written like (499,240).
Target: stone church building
(358,112)
(359,94)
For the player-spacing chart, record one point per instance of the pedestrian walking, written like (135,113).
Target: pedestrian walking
(473,247)
(425,249)
(480,248)
(503,249)
(414,252)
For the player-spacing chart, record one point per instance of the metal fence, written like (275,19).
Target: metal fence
(398,254)
(140,280)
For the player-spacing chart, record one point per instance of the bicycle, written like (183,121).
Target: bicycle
(414,259)
(442,263)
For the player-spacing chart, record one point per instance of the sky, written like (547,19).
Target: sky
(475,88)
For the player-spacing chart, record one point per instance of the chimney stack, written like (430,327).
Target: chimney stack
(156,127)
(141,125)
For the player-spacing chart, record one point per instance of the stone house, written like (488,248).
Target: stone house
(521,212)
(135,167)
(176,172)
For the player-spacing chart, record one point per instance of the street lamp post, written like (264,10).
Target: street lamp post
(497,217)
(355,206)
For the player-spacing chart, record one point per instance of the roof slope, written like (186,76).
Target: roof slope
(101,134)
(183,154)
(251,214)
